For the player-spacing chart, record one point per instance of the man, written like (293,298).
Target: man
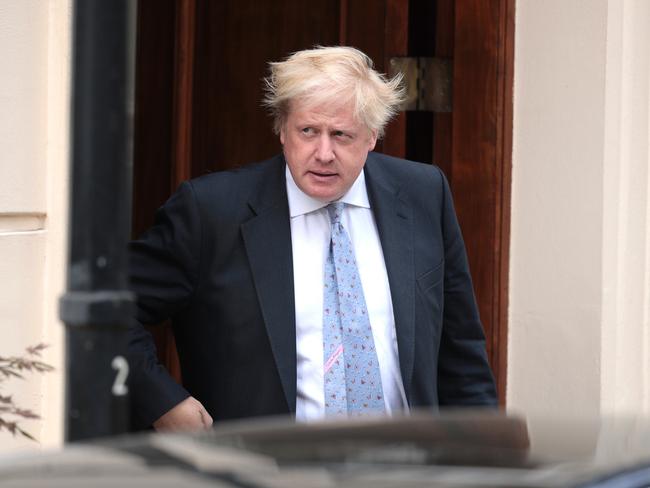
(326,281)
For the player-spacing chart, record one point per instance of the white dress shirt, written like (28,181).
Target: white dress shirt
(310,237)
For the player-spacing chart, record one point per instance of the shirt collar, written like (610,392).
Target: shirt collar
(300,203)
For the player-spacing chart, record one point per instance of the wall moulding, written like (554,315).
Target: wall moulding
(15,223)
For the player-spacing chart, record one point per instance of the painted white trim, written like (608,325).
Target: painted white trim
(626,188)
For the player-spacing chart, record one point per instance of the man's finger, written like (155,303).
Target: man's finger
(206,419)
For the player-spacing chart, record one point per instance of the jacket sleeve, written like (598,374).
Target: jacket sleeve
(464,375)
(163,267)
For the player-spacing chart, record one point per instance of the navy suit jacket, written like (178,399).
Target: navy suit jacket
(218,262)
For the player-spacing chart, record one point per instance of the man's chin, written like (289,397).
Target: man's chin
(324,192)
(326,196)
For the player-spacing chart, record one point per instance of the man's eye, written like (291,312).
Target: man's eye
(338,133)
(307,130)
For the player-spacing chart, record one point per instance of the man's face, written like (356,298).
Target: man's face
(325,149)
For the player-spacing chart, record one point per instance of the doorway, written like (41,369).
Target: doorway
(199,70)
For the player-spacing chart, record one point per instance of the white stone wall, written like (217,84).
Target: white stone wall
(580,242)
(34,97)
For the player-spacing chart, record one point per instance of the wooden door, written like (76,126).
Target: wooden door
(199,71)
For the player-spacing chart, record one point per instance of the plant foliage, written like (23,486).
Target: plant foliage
(17,367)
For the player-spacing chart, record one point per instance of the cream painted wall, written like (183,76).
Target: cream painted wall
(580,241)
(34,96)
(625,369)
(23,98)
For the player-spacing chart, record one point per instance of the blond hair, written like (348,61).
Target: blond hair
(333,75)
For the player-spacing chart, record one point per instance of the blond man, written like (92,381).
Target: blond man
(326,281)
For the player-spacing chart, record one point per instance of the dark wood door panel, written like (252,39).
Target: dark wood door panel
(234,41)
(154,95)
(481,147)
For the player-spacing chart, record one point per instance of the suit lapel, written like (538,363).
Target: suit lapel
(395,225)
(267,238)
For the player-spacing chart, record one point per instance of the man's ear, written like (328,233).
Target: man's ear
(283,129)
(373,140)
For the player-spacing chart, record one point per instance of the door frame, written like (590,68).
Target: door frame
(473,144)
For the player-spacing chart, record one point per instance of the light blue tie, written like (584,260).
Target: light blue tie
(351,370)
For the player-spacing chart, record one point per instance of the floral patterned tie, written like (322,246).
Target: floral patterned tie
(351,369)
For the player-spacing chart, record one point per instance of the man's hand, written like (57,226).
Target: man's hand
(189,415)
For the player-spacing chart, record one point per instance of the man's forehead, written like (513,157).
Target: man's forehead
(336,113)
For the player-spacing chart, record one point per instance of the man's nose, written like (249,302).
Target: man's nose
(325,150)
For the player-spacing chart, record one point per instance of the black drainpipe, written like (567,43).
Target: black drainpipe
(97,305)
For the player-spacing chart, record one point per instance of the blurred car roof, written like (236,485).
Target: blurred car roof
(451,449)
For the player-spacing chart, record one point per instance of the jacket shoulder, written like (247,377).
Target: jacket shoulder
(407,173)
(236,184)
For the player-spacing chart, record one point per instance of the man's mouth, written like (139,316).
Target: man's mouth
(322,174)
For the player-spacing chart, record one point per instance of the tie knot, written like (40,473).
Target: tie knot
(335,210)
